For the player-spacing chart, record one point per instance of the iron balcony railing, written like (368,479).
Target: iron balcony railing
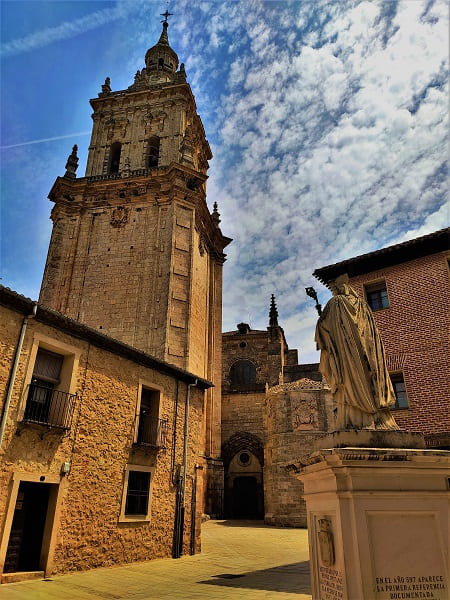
(49,407)
(151,432)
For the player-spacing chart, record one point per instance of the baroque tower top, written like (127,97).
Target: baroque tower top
(134,128)
(135,251)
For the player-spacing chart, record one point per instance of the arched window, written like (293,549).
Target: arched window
(161,62)
(114,157)
(153,152)
(242,373)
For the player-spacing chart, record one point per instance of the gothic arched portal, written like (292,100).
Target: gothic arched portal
(243,457)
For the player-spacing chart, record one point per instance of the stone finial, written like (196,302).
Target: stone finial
(72,164)
(273,313)
(243,328)
(106,87)
(182,71)
(215,215)
(164,38)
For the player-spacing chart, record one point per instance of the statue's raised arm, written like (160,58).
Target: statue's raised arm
(352,360)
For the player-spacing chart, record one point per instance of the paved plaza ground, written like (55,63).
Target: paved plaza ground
(240,559)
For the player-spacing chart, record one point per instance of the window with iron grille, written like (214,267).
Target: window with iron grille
(138,491)
(376,295)
(47,402)
(151,430)
(136,494)
(46,375)
(401,398)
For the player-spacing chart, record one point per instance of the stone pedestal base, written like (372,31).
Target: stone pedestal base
(378,523)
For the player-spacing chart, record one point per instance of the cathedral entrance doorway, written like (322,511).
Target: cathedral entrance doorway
(243,456)
(245,496)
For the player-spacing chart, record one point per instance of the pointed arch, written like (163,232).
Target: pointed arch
(242,440)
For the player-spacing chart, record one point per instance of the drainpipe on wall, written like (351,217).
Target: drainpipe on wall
(181,493)
(12,377)
(194,509)
(174,439)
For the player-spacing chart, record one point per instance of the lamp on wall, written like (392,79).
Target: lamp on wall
(65,468)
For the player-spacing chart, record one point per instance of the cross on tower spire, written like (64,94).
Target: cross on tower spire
(166,15)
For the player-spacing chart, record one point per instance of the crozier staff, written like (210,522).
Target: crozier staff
(352,360)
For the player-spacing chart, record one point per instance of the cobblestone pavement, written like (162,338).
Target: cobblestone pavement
(240,559)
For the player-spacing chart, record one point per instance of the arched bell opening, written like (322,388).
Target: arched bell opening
(114,158)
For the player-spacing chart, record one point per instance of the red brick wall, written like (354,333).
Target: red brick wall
(415,330)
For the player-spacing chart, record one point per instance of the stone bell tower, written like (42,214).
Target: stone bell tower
(135,251)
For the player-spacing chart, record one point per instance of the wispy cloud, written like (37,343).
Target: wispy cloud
(66,30)
(50,139)
(328,123)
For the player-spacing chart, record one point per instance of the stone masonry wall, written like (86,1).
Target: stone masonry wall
(415,332)
(296,414)
(243,412)
(99,445)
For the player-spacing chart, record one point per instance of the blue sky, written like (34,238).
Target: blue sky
(327,121)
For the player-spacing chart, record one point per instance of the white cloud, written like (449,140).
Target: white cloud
(66,30)
(329,129)
(332,161)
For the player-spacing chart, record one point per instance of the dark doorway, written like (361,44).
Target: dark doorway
(27,530)
(245,496)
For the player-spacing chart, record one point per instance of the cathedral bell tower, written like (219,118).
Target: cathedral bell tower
(134,250)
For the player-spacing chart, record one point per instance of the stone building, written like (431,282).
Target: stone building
(129,320)
(134,250)
(296,415)
(407,287)
(92,447)
(258,436)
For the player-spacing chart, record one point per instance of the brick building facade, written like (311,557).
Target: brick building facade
(92,444)
(407,286)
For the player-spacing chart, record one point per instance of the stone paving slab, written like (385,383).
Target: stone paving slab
(240,559)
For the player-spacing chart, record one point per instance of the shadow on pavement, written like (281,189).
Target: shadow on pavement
(293,578)
(251,523)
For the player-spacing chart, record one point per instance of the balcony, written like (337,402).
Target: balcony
(152,432)
(49,407)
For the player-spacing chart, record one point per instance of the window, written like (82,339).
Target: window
(50,383)
(153,152)
(242,373)
(151,430)
(376,295)
(114,157)
(136,497)
(138,491)
(45,404)
(160,62)
(401,399)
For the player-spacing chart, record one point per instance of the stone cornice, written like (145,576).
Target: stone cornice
(174,183)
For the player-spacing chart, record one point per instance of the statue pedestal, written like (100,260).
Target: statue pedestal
(378,523)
